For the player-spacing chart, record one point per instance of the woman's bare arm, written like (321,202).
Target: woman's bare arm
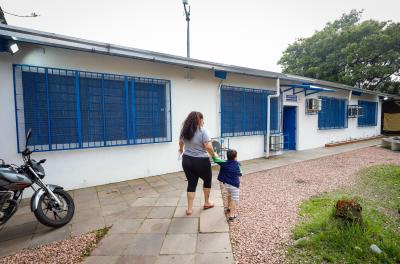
(181,144)
(209,148)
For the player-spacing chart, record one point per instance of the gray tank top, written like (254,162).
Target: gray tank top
(195,147)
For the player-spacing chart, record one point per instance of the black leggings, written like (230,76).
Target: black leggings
(196,168)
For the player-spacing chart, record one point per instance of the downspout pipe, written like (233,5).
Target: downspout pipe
(276,95)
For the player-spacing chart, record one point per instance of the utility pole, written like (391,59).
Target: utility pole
(2,18)
(186,6)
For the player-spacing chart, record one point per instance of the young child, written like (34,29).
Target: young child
(229,174)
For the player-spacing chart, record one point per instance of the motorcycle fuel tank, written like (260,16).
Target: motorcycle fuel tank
(12,180)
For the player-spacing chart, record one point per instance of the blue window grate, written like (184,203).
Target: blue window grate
(68,109)
(333,114)
(243,111)
(369,116)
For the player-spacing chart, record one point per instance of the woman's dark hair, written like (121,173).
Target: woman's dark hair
(231,154)
(190,125)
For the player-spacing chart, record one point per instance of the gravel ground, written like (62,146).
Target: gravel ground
(270,199)
(67,251)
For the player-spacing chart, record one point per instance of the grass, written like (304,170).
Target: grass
(100,233)
(321,238)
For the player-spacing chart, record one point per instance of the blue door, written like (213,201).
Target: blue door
(289,127)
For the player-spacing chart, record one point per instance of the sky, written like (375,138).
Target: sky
(250,33)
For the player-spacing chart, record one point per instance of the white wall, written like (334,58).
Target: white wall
(87,167)
(308,134)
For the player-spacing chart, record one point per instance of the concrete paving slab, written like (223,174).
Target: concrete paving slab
(167,201)
(158,183)
(144,245)
(162,212)
(172,194)
(135,212)
(220,258)
(129,197)
(113,245)
(114,208)
(126,226)
(17,231)
(213,220)
(136,260)
(175,259)
(214,243)
(136,182)
(86,215)
(154,226)
(87,226)
(101,260)
(164,189)
(184,226)
(179,244)
(111,200)
(145,201)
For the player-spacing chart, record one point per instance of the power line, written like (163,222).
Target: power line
(11,14)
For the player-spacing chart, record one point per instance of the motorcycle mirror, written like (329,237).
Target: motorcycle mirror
(28,135)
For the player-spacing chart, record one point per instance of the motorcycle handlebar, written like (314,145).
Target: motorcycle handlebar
(41,161)
(26,152)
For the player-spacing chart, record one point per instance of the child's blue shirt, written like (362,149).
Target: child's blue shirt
(229,172)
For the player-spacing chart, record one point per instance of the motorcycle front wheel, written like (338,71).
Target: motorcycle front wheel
(50,214)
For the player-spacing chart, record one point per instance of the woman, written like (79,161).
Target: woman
(195,159)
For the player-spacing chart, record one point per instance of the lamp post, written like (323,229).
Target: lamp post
(186,6)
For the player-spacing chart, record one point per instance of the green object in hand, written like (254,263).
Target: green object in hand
(218,160)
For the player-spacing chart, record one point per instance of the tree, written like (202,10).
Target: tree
(363,54)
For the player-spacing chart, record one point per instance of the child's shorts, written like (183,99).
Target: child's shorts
(233,192)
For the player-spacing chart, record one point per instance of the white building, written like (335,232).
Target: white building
(103,113)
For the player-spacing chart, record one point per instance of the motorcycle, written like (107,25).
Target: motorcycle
(51,204)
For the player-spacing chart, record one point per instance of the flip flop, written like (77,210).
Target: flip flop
(187,213)
(205,207)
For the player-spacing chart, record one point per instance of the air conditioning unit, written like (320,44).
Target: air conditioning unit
(354,111)
(313,105)
(276,142)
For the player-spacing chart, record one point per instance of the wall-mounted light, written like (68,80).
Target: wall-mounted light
(14,48)
(385,98)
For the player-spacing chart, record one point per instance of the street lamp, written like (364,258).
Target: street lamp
(186,6)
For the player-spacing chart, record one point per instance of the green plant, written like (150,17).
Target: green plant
(322,238)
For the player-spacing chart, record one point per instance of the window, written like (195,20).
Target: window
(369,114)
(333,114)
(243,111)
(69,109)
(274,117)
